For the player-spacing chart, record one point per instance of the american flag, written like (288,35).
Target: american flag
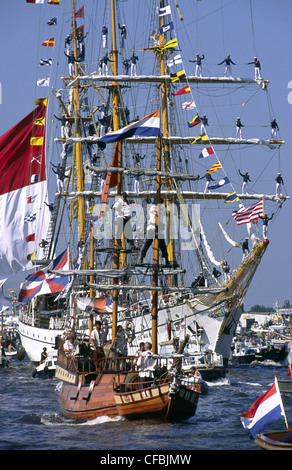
(244,216)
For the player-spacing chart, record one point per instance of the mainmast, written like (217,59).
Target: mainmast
(165,132)
(77,133)
(115,106)
(156,254)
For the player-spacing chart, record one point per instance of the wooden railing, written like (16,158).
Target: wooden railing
(85,365)
(122,386)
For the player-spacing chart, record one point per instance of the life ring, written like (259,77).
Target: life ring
(132,378)
(165,299)
(129,326)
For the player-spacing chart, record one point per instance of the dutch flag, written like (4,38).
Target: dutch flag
(265,410)
(148,126)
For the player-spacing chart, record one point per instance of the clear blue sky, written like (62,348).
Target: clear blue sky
(208,29)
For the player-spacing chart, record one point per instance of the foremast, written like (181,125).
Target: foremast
(115,103)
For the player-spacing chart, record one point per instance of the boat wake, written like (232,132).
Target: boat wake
(251,384)
(52,419)
(220,382)
(102,420)
(269,363)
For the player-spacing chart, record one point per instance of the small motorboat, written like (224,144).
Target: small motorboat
(196,380)
(285,385)
(276,440)
(47,368)
(10,352)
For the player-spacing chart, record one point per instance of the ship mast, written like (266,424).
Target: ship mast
(158,189)
(77,132)
(156,254)
(165,132)
(115,103)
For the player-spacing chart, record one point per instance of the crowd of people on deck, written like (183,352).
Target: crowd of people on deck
(145,362)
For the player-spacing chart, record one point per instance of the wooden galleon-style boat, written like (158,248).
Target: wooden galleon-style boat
(110,386)
(95,386)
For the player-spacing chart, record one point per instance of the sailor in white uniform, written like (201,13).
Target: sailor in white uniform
(279,182)
(198,62)
(257,68)
(228,63)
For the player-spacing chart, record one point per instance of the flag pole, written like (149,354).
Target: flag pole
(282,406)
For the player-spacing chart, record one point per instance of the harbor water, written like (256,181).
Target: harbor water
(30,418)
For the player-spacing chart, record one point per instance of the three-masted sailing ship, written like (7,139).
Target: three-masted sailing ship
(96,273)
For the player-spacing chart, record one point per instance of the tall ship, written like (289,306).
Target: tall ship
(154,227)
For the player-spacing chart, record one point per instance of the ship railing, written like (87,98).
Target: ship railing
(132,383)
(82,365)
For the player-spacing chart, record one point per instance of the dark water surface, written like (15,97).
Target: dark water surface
(30,418)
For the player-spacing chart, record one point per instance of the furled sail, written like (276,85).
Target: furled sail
(232,242)
(208,249)
(24,217)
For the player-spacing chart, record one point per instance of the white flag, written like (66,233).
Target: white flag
(46,61)
(176,60)
(43,82)
(164,11)
(189,105)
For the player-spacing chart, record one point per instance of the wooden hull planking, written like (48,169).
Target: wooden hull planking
(158,401)
(84,405)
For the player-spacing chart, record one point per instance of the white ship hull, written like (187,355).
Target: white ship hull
(188,320)
(176,317)
(34,339)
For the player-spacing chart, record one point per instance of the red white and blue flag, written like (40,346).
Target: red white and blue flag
(101,304)
(166,27)
(45,282)
(266,409)
(247,215)
(206,152)
(148,126)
